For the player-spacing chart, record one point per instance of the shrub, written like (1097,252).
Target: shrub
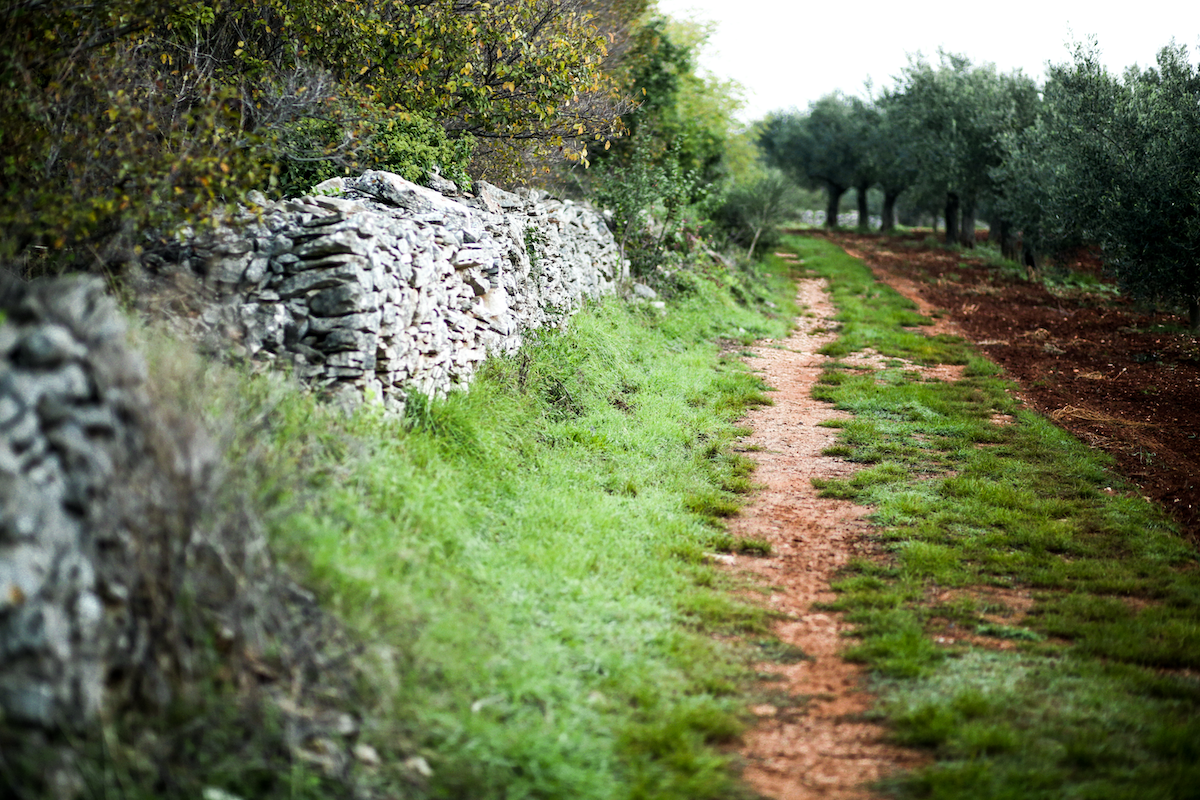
(410,145)
(751,213)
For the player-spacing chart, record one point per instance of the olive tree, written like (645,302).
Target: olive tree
(954,119)
(1118,164)
(822,147)
(889,160)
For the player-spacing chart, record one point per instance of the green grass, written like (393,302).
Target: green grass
(539,547)
(523,564)
(1098,699)
(872,315)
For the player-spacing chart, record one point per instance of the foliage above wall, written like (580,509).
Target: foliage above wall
(122,116)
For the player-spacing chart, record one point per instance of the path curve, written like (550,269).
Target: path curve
(813,742)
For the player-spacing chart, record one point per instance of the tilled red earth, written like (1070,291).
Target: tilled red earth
(1103,369)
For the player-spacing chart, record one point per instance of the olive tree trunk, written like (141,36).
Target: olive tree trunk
(864,217)
(1006,234)
(889,211)
(834,197)
(1031,260)
(952,211)
(966,234)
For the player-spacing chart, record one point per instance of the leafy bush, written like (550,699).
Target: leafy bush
(655,204)
(94,153)
(410,145)
(751,213)
(121,120)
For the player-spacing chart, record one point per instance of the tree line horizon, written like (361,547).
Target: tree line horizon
(1086,158)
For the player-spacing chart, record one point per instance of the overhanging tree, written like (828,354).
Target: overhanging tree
(123,116)
(664,176)
(890,154)
(864,119)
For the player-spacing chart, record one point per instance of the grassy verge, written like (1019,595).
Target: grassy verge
(522,566)
(1031,619)
(532,551)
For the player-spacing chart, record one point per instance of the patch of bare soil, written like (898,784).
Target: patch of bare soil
(1096,364)
(813,740)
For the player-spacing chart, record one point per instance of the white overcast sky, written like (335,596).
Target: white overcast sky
(788,54)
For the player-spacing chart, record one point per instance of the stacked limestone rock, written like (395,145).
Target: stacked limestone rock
(69,401)
(381,286)
(120,556)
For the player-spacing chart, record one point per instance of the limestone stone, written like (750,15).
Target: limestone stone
(303,282)
(337,301)
(318,217)
(48,346)
(27,702)
(339,204)
(397,191)
(347,339)
(332,243)
(233,246)
(335,185)
(227,270)
(645,292)
(472,257)
(365,321)
(9,410)
(256,271)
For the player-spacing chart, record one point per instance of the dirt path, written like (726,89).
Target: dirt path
(812,742)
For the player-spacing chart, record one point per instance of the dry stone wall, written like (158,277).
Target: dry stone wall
(115,508)
(74,493)
(381,286)
(376,289)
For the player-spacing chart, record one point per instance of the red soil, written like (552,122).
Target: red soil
(1095,363)
(812,740)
